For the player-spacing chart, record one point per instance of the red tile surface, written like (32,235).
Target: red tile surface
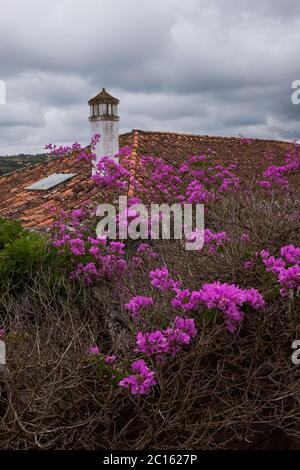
(32,208)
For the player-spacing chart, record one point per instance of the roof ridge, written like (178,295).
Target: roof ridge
(205,136)
(133,162)
(127,134)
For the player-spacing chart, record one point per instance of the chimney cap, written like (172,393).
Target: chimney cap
(103,97)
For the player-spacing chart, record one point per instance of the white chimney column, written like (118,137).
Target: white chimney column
(104,120)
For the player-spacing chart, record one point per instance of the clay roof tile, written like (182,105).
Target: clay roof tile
(32,207)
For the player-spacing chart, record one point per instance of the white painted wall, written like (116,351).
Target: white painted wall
(108,144)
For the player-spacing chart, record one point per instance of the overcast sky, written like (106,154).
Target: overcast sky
(217,67)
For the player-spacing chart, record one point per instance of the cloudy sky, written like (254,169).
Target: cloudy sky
(217,67)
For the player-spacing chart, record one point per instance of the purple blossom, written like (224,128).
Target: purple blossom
(230,300)
(94,250)
(161,280)
(136,260)
(77,246)
(142,381)
(155,343)
(85,154)
(287,277)
(245,237)
(117,247)
(249,264)
(245,140)
(110,359)
(290,278)
(159,343)
(276,175)
(196,193)
(214,240)
(291,253)
(111,175)
(185,299)
(94,350)
(137,303)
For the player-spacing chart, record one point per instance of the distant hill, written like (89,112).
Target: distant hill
(9,163)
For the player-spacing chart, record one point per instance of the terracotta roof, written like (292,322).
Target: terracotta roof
(249,158)
(33,207)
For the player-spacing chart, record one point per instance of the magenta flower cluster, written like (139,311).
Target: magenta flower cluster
(185,299)
(276,175)
(111,175)
(136,304)
(146,249)
(245,140)
(227,298)
(90,258)
(197,180)
(142,379)
(160,279)
(287,276)
(82,154)
(291,253)
(94,349)
(230,300)
(215,240)
(169,341)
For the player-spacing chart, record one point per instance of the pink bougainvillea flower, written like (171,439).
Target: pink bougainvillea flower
(161,280)
(230,300)
(110,359)
(288,277)
(159,343)
(137,303)
(141,382)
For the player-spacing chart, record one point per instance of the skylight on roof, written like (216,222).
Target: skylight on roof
(51,181)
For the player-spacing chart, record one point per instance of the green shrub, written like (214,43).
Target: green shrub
(9,231)
(22,253)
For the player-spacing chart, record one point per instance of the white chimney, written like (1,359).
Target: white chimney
(104,120)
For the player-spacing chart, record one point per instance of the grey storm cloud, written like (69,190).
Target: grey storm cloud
(218,67)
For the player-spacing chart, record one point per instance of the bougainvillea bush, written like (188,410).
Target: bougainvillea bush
(142,344)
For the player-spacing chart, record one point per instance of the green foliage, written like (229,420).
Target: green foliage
(107,370)
(9,231)
(12,163)
(21,253)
